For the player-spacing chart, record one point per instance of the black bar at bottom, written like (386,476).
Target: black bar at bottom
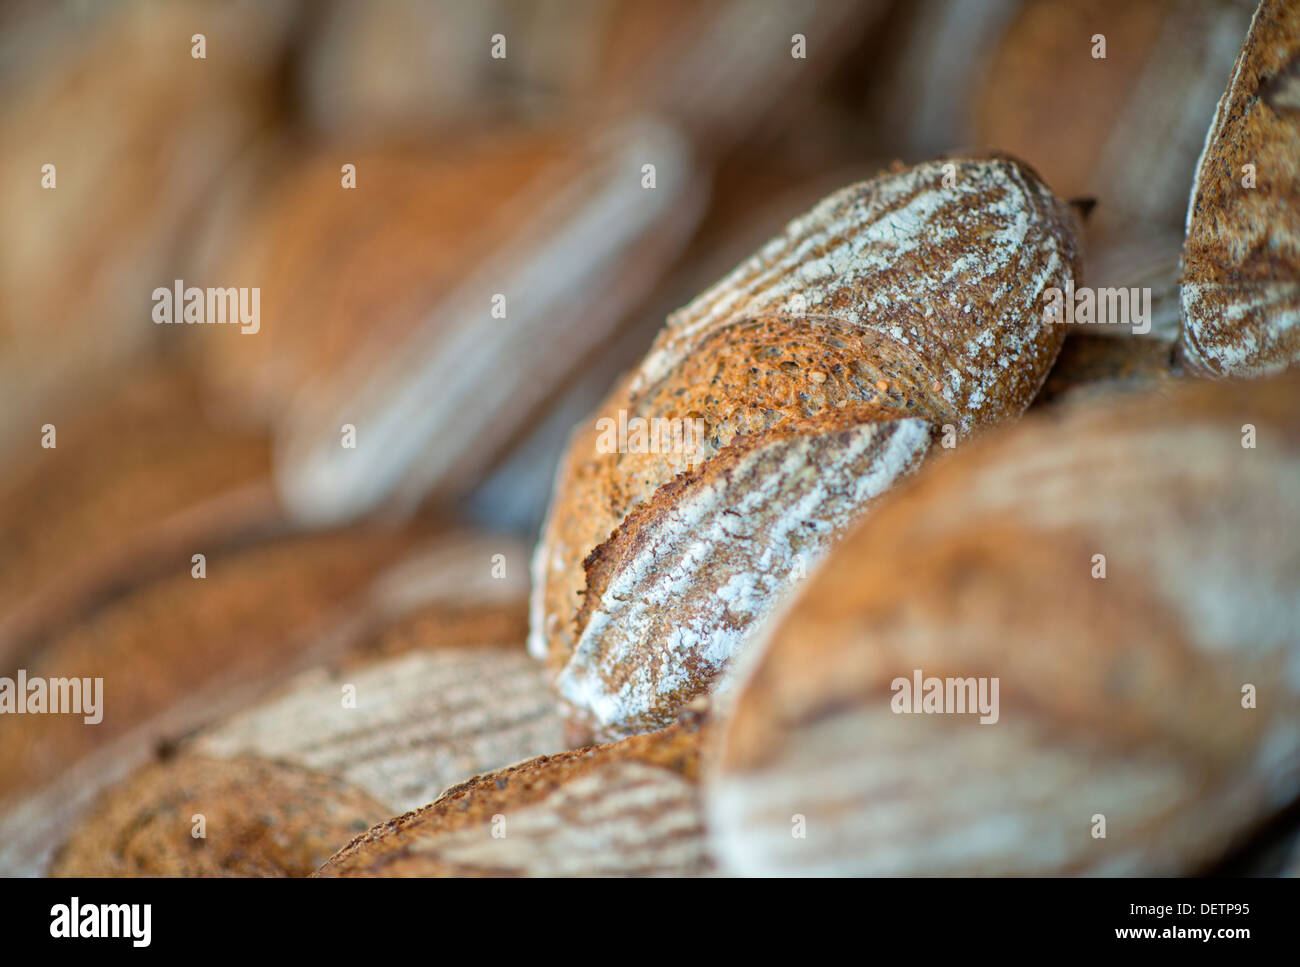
(219,917)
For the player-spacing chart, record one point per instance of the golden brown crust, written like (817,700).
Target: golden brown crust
(449,625)
(419,842)
(837,449)
(259,818)
(1241,260)
(607,559)
(389,726)
(915,296)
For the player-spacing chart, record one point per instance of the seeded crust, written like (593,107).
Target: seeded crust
(261,819)
(664,831)
(896,299)
(1120,696)
(1241,260)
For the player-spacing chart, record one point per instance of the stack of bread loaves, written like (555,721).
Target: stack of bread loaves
(862,568)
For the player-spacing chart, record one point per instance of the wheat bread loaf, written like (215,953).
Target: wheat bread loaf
(626,809)
(1241,260)
(818,373)
(180,653)
(432,699)
(1125,575)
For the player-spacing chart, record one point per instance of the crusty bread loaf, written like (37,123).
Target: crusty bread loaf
(627,809)
(258,818)
(424,718)
(463,282)
(385,730)
(1241,262)
(1122,704)
(179,634)
(820,370)
(180,653)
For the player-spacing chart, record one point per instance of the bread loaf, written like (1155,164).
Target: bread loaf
(383,731)
(217,817)
(179,653)
(627,809)
(179,633)
(746,207)
(1241,261)
(816,375)
(1119,585)
(458,290)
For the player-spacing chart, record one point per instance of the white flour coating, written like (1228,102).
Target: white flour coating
(864,237)
(1244,328)
(620,819)
(1250,309)
(721,559)
(422,722)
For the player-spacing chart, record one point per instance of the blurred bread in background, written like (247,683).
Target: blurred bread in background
(138,132)
(1167,714)
(141,478)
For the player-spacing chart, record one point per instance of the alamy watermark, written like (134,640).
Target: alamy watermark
(215,306)
(127,921)
(624,434)
(1098,307)
(945,696)
(53,696)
